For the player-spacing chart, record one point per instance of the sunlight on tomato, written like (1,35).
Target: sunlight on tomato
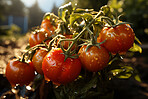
(117,39)
(19,73)
(38,59)
(37,37)
(57,70)
(94,59)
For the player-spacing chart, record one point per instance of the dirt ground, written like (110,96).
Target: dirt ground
(124,89)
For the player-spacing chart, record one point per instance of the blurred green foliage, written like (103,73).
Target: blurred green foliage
(88,4)
(10,30)
(135,12)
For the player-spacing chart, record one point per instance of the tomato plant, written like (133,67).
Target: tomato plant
(58,70)
(18,72)
(95,58)
(38,59)
(117,39)
(60,59)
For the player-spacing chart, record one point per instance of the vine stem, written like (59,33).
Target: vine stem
(79,35)
(32,48)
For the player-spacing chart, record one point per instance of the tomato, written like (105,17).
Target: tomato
(57,70)
(19,73)
(94,59)
(38,59)
(49,28)
(118,39)
(37,37)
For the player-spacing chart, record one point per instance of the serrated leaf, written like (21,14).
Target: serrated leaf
(74,17)
(87,16)
(137,77)
(65,11)
(107,12)
(136,48)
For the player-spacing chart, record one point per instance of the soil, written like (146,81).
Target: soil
(123,89)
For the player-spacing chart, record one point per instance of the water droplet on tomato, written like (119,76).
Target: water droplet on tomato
(127,28)
(96,59)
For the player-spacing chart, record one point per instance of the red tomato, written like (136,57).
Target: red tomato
(37,37)
(49,28)
(38,59)
(57,70)
(19,73)
(94,59)
(118,39)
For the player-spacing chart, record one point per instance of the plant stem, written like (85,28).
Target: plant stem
(79,35)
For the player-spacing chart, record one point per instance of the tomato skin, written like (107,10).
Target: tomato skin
(37,38)
(49,28)
(94,59)
(59,71)
(19,73)
(38,59)
(118,39)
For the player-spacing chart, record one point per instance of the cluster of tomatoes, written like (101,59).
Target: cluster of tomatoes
(62,64)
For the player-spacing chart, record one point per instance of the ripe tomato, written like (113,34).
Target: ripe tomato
(57,70)
(118,39)
(94,59)
(19,73)
(38,59)
(49,28)
(37,37)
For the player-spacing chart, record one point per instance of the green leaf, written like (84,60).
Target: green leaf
(124,72)
(128,68)
(74,17)
(88,17)
(137,77)
(107,12)
(136,48)
(65,11)
(125,76)
(88,85)
(116,71)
